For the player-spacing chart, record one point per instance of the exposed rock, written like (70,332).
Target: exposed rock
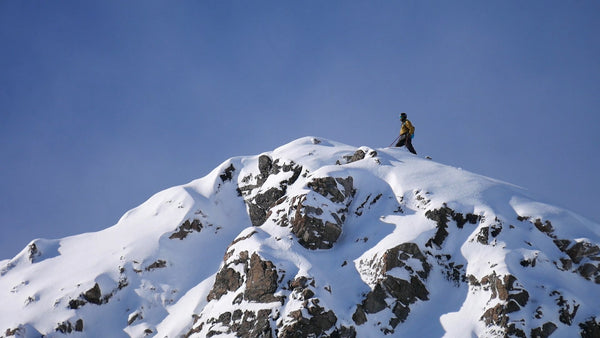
(567,309)
(404,293)
(375,300)
(265,166)
(227,279)
(316,325)
(545,331)
(545,227)
(93,295)
(590,328)
(328,187)
(482,236)
(260,205)
(442,216)
(187,228)
(227,175)
(261,282)
(398,256)
(22,331)
(68,327)
(344,332)
(358,155)
(254,325)
(359,317)
(512,298)
(311,230)
(312,233)
(260,202)
(159,264)
(581,250)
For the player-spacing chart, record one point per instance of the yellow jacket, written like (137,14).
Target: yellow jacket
(407,128)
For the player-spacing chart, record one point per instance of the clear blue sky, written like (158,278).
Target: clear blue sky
(104,103)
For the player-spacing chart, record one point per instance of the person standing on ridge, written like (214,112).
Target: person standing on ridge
(407,132)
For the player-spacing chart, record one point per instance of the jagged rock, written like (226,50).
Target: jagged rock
(359,316)
(265,165)
(545,331)
(22,331)
(187,228)
(93,295)
(68,327)
(567,309)
(312,233)
(261,282)
(375,300)
(159,264)
(261,203)
(442,216)
(404,291)
(590,328)
(344,332)
(358,155)
(227,279)
(397,257)
(545,227)
(311,230)
(482,236)
(315,326)
(327,186)
(227,175)
(580,250)
(247,324)
(512,299)
(254,325)
(504,288)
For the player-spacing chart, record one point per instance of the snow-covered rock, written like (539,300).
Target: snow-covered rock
(317,239)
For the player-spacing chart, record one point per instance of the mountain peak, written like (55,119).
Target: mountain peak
(317,238)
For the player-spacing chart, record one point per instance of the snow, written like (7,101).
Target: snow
(36,291)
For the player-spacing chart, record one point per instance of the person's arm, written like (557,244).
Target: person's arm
(411,128)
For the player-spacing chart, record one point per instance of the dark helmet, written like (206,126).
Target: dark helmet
(403,116)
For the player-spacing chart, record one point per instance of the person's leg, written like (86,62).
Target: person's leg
(409,146)
(401,141)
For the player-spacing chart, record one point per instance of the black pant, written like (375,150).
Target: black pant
(406,140)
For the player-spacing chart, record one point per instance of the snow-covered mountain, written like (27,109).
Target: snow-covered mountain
(317,239)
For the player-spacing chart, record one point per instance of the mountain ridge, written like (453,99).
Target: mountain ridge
(317,238)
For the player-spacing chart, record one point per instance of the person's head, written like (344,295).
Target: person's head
(403,117)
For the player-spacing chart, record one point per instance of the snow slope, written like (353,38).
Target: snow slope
(317,238)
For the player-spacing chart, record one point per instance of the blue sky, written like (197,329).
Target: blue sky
(104,103)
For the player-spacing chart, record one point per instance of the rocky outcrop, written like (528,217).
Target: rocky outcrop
(590,328)
(358,155)
(404,291)
(442,216)
(318,322)
(254,280)
(68,327)
(581,256)
(310,223)
(187,228)
(509,298)
(316,218)
(259,200)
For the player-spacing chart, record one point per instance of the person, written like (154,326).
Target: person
(407,132)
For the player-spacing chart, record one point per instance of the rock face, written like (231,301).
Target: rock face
(317,239)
